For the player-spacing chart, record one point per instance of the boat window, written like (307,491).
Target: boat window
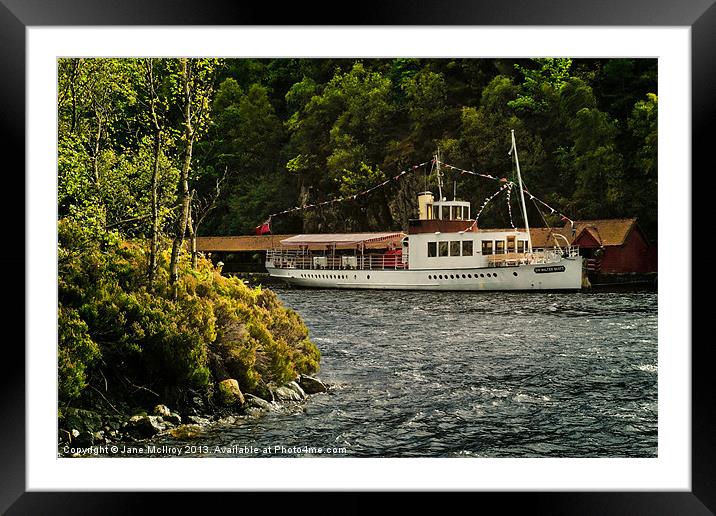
(465,212)
(520,246)
(487,247)
(429,211)
(432,249)
(511,244)
(467,247)
(456,212)
(455,248)
(444,213)
(524,242)
(499,246)
(443,248)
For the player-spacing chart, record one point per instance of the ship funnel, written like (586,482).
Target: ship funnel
(425,205)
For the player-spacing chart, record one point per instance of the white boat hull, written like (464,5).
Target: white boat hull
(565,274)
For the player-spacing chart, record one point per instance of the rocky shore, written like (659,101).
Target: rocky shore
(81,430)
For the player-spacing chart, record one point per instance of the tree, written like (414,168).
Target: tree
(195,88)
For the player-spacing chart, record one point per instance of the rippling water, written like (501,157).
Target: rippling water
(440,374)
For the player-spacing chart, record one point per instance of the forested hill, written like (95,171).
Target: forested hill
(143,143)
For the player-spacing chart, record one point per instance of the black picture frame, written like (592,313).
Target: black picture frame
(17,15)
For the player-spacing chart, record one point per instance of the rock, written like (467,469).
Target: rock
(198,420)
(297,389)
(229,393)
(99,437)
(228,420)
(144,426)
(259,403)
(173,418)
(162,410)
(312,385)
(74,433)
(185,431)
(285,393)
(254,412)
(198,404)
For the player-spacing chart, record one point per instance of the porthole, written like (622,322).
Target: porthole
(452,277)
(463,276)
(368,276)
(482,275)
(355,276)
(430,277)
(469,276)
(514,274)
(441,276)
(494,274)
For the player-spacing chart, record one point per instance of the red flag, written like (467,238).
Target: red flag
(263,229)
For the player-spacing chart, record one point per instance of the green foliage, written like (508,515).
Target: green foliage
(76,353)
(165,343)
(294,131)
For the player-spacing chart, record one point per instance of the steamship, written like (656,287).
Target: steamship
(443,249)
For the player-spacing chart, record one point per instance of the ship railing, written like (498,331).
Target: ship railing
(543,255)
(288,259)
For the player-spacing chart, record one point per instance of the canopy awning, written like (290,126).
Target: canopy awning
(340,239)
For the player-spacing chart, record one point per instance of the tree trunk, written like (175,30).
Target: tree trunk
(184,193)
(192,239)
(154,248)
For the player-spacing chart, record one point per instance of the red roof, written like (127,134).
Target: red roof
(341,238)
(606,232)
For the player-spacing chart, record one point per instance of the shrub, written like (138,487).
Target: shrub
(168,339)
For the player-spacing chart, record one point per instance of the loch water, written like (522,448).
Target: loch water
(450,374)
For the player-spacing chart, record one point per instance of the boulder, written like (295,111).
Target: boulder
(185,431)
(198,420)
(144,426)
(259,403)
(297,389)
(285,393)
(162,410)
(312,385)
(229,393)
(173,418)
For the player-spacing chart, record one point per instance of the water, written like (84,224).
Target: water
(440,374)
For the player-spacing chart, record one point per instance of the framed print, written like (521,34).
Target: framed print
(670,471)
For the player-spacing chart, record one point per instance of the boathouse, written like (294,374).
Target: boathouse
(615,246)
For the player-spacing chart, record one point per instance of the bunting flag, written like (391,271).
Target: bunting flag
(485,203)
(509,204)
(348,197)
(506,184)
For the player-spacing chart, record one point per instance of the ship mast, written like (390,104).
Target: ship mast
(522,194)
(439,175)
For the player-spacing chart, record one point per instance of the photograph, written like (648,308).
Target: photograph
(357,257)
(344,259)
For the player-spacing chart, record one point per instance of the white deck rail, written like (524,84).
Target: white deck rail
(293,259)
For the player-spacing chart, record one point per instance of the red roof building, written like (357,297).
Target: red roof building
(615,246)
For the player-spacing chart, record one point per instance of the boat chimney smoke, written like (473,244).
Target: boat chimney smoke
(425,205)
